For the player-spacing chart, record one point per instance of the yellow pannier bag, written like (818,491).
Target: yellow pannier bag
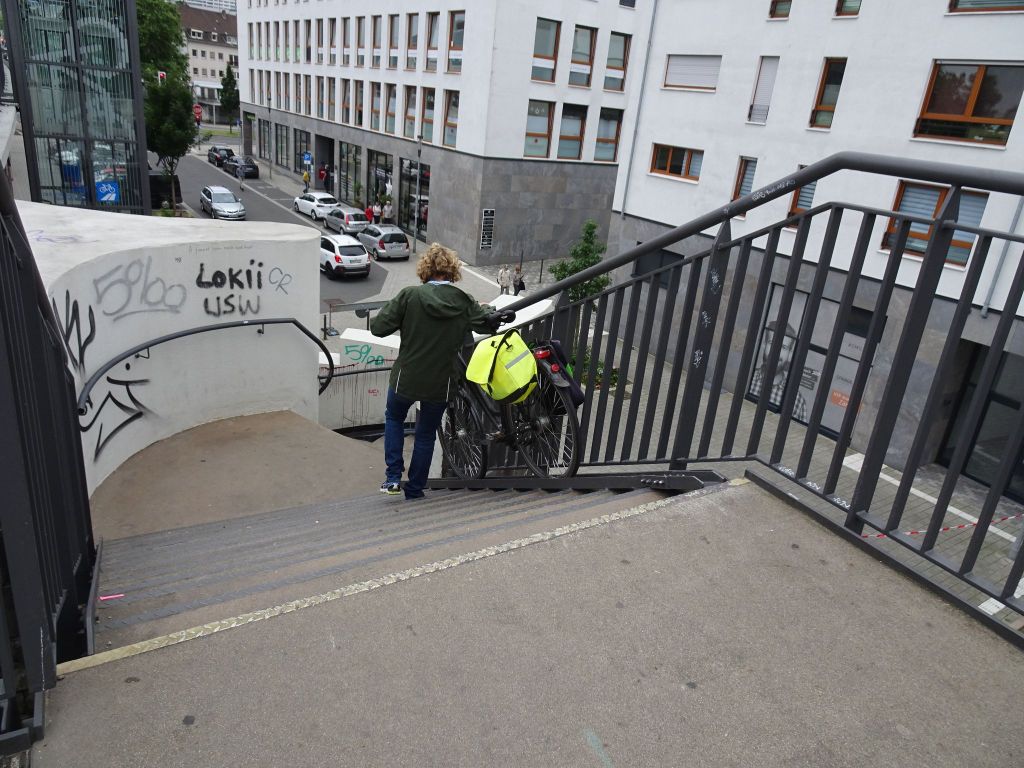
(504,367)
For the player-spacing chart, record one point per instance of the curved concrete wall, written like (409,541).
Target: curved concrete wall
(117,281)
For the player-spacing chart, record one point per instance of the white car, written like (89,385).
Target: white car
(315,204)
(342,255)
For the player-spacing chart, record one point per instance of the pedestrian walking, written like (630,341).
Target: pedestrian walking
(504,279)
(433,318)
(305,181)
(376,212)
(322,175)
(387,213)
(517,280)
(240,172)
(369,212)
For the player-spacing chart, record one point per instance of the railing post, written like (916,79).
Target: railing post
(561,323)
(700,352)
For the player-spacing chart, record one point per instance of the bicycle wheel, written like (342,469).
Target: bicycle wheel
(546,430)
(462,443)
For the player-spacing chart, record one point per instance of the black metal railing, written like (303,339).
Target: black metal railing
(691,363)
(47,556)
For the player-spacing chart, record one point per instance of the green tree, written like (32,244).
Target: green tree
(160,39)
(170,126)
(586,252)
(229,95)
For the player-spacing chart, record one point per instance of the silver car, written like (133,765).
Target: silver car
(221,203)
(385,241)
(347,221)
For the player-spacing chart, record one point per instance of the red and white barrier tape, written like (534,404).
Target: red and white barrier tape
(1002,519)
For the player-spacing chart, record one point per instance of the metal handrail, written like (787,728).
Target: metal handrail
(83,397)
(921,170)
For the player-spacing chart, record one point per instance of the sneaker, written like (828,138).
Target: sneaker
(391,489)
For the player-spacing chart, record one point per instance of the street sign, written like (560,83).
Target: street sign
(108,191)
(307,158)
(197,110)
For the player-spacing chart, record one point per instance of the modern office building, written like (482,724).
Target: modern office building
(211,42)
(77,78)
(213,5)
(519,105)
(731,107)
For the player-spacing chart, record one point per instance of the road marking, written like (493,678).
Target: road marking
(595,744)
(302,219)
(213,627)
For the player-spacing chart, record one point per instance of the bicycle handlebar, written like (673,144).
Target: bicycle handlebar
(499,318)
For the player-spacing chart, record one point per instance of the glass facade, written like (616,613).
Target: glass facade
(281,144)
(378,176)
(79,89)
(264,140)
(407,200)
(301,148)
(349,188)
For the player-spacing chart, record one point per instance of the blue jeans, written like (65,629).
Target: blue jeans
(423,447)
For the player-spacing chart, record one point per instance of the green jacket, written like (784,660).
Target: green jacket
(433,320)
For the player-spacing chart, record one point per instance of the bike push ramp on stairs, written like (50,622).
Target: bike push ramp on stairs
(671,482)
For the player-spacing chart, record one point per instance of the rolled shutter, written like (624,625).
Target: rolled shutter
(693,72)
(763,90)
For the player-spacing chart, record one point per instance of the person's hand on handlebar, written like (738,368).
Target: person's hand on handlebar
(499,318)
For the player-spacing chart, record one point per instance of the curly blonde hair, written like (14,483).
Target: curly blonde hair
(439,262)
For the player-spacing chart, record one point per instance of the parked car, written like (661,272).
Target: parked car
(221,203)
(346,221)
(385,241)
(217,154)
(252,171)
(315,204)
(342,255)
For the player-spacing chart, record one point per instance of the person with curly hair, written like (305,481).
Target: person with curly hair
(433,319)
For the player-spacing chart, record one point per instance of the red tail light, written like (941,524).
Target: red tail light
(337,259)
(380,244)
(555,367)
(542,354)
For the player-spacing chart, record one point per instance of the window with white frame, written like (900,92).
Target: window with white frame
(698,73)
(196,34)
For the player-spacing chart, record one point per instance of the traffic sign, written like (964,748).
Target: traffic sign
(197,110)
(307,158)
(108,191)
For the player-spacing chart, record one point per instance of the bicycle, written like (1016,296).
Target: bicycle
(543,429)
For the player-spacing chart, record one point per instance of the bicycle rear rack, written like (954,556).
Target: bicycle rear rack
(667,482)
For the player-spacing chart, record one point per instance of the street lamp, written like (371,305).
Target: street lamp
(419,175)
(273,141)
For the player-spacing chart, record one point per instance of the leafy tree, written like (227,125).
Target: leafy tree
(160,39)
(586,252)
(229,95)
(170,126)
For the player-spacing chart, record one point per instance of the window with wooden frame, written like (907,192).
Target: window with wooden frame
(346,101)
(298,93)
(307,83)
(925,201)
(847,7)
(744,177)
(570,135)
(681,162)
(360,41)
(393,41)
(307,40)
(828,93)
(332,41)
(374,106)
(779,9)
(331,86)
(581,66)
(409,125)
(538,129)
(451,117)
(618,59)
(319,41)
(427,121)
(319,96)
(277,41)
(433,33)
(390,107)
(969,6)
(298,41)
(287,41)
(545,50)
(412,39)
(375,41)
(971,102)
(357,99)
(456,39)
(803,198)
(346,39)
(609,125)
(699,73)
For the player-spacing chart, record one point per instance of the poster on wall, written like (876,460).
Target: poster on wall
(841,385)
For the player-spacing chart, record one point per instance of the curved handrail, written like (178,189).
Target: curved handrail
(83,397)
(921,170)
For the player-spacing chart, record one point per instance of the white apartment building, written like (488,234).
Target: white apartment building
(213,5)
(519,105)
(211,43)
(737,94)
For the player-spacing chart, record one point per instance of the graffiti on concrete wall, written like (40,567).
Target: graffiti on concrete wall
(134,288)
(118,408)
(70,324)
(237,289)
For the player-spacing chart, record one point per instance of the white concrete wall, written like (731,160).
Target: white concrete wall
(494,84)
(890,48)
(117,281)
